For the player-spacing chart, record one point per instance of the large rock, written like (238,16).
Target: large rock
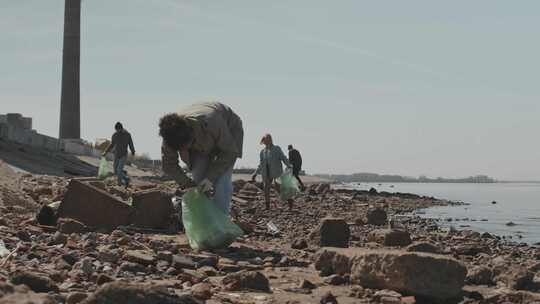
(27,298)
(376,216)
(246,280)
(135,294)
(142,257)
(93,206)
(517,278)
(36,282)
(480,275)
(153,210)
(332,232)
(69,226)
(423,247)
(419,274)
(391,237)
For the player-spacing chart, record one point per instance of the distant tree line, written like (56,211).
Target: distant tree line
(391,178)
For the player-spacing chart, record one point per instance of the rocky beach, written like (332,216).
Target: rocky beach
(335,246)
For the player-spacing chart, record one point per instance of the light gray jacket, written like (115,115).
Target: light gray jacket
(270,163)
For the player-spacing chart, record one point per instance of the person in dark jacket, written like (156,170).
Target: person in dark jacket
(120,141)
(296,161)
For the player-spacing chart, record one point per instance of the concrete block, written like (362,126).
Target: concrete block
(153,210)
(93,206)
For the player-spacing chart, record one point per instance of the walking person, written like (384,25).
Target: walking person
(296,161)
(270,167)
(208,138)
(120,141)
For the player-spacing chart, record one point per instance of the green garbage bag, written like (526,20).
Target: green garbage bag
(103,170)
(288,185)
(207,226)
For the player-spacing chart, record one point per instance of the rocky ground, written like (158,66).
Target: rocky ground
(335,246)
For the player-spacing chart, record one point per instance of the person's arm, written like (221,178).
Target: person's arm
(284,158)
(259,167)
(171,167)
(111,145)
(131,147)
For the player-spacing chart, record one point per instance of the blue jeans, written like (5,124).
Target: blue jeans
(223,188)
(118,165)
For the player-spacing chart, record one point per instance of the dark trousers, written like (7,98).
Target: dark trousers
(296,173)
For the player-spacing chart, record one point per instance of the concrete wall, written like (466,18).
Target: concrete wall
(78,147)
(16,128)
(28,137)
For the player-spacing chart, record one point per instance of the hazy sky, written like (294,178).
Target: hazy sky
(442,88)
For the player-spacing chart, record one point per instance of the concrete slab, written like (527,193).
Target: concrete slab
(94,207)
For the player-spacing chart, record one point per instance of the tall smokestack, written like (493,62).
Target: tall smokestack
(70,108)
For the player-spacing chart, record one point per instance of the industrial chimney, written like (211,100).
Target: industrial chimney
(70,108)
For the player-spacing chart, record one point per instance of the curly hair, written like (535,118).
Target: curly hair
(174,130)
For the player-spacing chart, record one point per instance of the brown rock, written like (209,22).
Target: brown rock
(471,249)
(307,285)
(332,232)
(37,283)
(118,292)
(246,280)
(376,216)
(299,244)
(202,291)
(103,279)
(132,267)
(24,236)
(390,237)
(69,226)
(184,262)
(423,247)
(46,216)
(418,274)
(328,263)
(142,257)
(336,280)
(328,298)
(27,298)
(76,297)
(517,278)
(480,276)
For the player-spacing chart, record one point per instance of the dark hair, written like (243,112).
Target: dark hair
(174,130)
(118,126)
(290,147)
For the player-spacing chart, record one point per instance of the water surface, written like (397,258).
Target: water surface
(515,202)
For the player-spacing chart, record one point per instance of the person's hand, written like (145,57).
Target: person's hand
(205,185)
(189,184)
(104,154)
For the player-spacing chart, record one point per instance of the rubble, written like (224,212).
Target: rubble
(97,257)
(136,294)
(247,280)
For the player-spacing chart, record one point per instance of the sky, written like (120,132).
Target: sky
(436,88)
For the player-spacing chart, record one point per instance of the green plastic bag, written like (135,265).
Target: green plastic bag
(207,227)
(103,171)
(288,186)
